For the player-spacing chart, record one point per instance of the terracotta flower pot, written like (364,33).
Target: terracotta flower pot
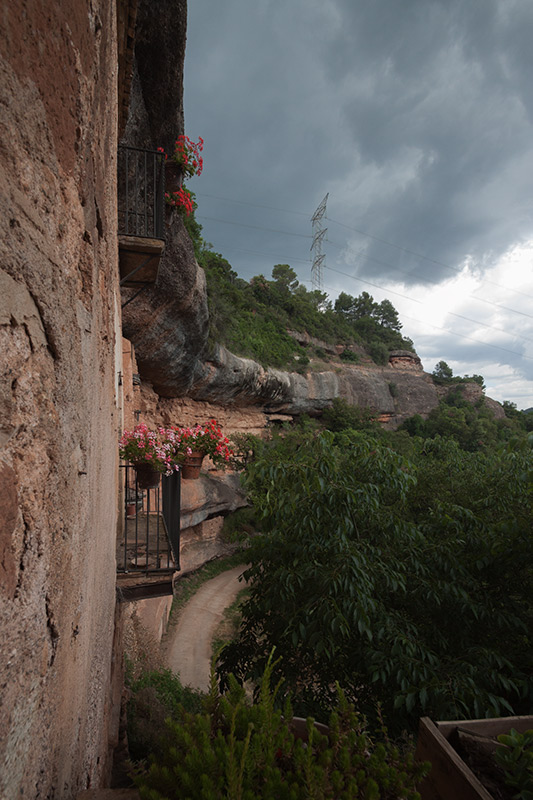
(147,476)
(190,469)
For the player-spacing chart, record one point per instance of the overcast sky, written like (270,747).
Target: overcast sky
(416,116)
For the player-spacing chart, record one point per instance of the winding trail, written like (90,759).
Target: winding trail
(187,649)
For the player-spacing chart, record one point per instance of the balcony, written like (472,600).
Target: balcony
(141,207)
(148,546)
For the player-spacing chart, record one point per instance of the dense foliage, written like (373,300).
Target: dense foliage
(235,749)
(408,580)
(472,426)
(252,318)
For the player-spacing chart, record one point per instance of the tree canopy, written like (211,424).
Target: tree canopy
(408,580)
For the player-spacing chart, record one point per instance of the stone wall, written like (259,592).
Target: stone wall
(59,306)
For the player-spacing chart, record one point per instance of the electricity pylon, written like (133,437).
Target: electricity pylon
(318,235)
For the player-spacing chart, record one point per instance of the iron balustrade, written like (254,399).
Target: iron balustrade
(141,192)
(150,541)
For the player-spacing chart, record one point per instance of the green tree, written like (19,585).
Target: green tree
(387,316)
(413,593)
(442,372)
(285,277)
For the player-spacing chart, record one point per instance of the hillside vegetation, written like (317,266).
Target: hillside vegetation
(252,318)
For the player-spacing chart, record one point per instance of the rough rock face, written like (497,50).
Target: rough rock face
(58,418)
(244,397)
(168,324)
(472,392)
(208,497)
(399,390)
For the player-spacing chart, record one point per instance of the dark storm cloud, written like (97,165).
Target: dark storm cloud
(444,86)
(415,115)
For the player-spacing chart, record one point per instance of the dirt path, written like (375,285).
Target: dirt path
(188,646)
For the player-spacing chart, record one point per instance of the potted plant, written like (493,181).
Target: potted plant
(151,453)
(184,161)
(458,749)
(182,199)
(200,441)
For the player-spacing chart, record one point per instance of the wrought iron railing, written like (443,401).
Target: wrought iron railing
(141,192)
(150,540)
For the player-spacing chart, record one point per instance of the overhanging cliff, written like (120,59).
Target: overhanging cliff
(168,323)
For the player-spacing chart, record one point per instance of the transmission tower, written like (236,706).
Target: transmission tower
(318,235)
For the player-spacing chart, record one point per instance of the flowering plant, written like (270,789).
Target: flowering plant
(182,199)
(206,439)
(187,155)
(158,449)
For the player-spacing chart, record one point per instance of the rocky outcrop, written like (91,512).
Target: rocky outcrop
(210,496)
(473,393)
(167,323)
(398,390)
(245,397)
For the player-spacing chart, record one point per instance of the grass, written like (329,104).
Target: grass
(229,624)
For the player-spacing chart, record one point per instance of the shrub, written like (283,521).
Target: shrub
(342,416)
(239,525)
(240,750)
(350,357)
(155,695)
(378,352)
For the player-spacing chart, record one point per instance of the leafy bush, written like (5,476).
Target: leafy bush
(155,695)
(473,427)
(342,416)
(408,581)
(516,759)
(239,525)
(378,352)
(238,750)
(350,357)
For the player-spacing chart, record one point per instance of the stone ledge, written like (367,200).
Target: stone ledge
(210,496)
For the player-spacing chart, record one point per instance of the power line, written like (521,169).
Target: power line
(285,259)
(451,313)
(470,338)
(392,291)
(385,289)
(253,205)
(435,283)
(257,227)
(425,258)
(362,233)
(459,335)
(437,327)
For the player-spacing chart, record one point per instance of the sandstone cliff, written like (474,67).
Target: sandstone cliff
(168,323)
